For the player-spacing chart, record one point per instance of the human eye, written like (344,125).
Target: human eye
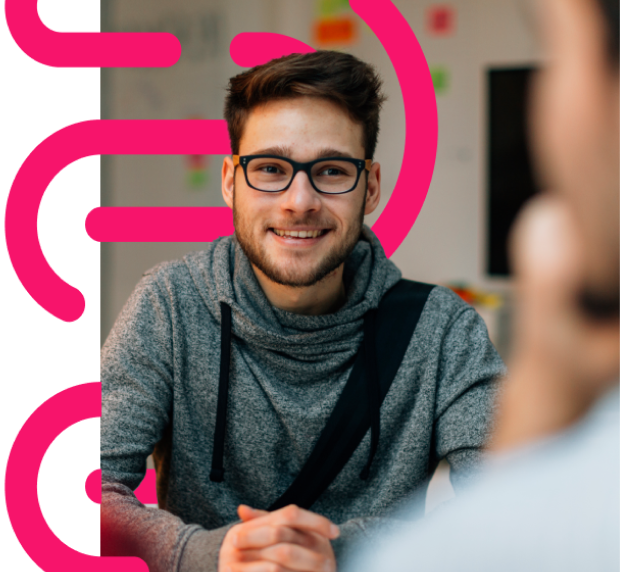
(331,172)
(271,169)
(267,167)
(268,174)
(335,169)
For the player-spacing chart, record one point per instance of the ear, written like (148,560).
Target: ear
(228,181)
(373,189)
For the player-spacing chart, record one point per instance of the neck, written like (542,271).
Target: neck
(323,297)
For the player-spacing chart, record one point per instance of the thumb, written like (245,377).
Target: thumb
(247,513)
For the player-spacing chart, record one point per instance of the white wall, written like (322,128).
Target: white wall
(447,241)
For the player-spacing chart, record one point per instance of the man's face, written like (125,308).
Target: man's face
(302,129)
(576,133)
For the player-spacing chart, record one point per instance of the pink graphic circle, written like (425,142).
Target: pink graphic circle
(52,418)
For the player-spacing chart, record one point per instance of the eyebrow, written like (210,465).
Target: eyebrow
(283,151)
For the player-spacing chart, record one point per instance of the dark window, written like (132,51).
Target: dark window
(510,175)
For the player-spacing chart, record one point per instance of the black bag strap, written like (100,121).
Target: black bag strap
(387,334)
(395,322)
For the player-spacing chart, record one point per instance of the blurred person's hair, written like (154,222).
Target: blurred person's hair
(610,10)
(334,76)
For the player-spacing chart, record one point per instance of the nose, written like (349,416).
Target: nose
(301,197)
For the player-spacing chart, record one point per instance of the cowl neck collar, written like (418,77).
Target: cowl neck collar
(223,273)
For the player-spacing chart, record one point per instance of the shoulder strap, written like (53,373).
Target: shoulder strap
(395,322)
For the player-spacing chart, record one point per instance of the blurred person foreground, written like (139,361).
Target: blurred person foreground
(549,499)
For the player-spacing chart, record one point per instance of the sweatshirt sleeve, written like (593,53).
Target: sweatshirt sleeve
(136,370)
(469,372)
(162,540)
(136,383)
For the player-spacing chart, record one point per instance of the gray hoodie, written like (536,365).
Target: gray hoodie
(160,368)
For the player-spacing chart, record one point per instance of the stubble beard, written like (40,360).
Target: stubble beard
(284,273)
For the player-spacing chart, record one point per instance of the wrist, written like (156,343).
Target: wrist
(202,549)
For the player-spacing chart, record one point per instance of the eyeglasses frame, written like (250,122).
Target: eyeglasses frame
(361,164)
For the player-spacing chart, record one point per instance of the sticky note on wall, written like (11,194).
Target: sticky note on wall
(440,76)
(335,24)
(441,20)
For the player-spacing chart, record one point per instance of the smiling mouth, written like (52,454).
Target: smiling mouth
(299,233)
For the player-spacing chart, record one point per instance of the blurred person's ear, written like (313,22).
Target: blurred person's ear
(563,360)
(549,259)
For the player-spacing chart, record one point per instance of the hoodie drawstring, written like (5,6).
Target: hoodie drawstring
(371,375)
(217,463)
(373,387)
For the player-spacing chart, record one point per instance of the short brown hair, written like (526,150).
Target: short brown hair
(341,78)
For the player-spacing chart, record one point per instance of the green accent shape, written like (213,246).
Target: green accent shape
(197,179)
(66,501)
(327,8)
(440,77)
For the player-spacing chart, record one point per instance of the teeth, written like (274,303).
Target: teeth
(298,233)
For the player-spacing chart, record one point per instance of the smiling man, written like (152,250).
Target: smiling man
(288,368)
(300,229)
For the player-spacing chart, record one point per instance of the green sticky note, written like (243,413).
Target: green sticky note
(441,79)
(326,8)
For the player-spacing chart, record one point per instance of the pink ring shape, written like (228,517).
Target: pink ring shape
(45,549)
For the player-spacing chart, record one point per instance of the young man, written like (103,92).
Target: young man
(230,362)
(550,500)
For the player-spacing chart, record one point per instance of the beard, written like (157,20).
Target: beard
(297,274)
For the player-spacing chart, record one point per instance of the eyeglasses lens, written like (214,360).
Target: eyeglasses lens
(332,176)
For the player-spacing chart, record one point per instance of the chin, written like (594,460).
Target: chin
(295,273)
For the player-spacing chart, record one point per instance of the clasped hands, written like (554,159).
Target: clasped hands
(286,540)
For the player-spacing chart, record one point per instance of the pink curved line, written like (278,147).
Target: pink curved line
(92,49)
(93,486)
(159,224)
(392,227)
(47,551)
(421,119)
(250,49)
(149,137)
(146,492)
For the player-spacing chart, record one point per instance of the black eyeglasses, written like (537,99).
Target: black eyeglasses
(330,176)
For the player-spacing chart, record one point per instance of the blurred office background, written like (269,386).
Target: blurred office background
(480,53)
